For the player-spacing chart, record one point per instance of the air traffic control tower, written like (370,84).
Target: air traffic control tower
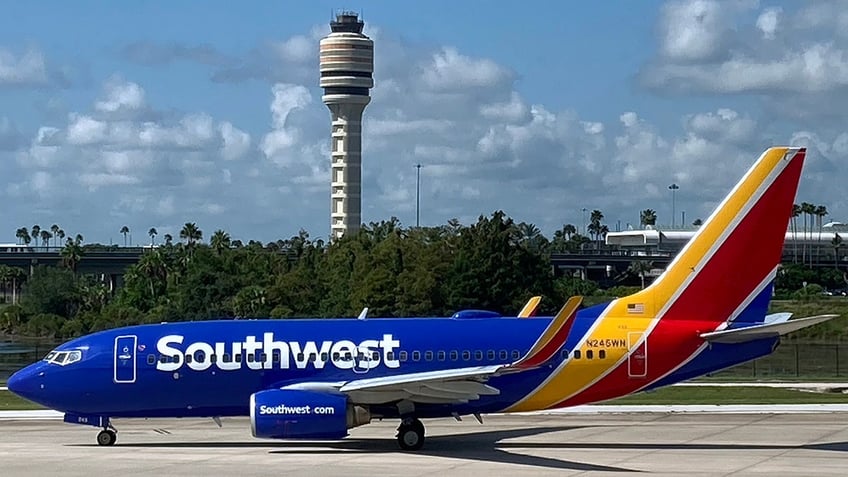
(347,65)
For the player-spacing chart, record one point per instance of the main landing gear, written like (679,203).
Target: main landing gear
(410,434)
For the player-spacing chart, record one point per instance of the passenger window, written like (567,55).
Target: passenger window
(226,357)
(602,354)
(403,356)
(563,354)
(325,356)
(275,356)
(375,355)
(189,358)
(466,355)
(428,355)
(516,354)
(347,356)
(299,357)
(213,357)
(199,356)
(151,359)
(441,355)
(491,354)
(336,356)
(504,354)
(390,356)
(577,354)
(416,355)
(478,355)
(454,355)
(251,357)
(237,357)
(589,354)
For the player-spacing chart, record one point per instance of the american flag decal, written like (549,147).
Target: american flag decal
(635,308)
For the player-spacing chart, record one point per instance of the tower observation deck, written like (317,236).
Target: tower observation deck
(347,67)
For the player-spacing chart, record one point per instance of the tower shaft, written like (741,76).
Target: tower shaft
(347,66)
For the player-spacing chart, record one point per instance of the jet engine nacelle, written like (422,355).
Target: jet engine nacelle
(295,414)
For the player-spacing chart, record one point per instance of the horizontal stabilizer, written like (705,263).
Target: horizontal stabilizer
(768,330)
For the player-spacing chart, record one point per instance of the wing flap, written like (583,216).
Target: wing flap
(768,330)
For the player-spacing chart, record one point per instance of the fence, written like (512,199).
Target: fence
(796,360)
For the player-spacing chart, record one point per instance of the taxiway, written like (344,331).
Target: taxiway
(544,444)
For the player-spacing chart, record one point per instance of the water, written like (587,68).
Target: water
(17,352)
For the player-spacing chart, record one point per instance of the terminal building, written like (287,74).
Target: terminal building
(657,246)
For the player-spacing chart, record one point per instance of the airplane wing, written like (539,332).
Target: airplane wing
(768,330)
(456,385)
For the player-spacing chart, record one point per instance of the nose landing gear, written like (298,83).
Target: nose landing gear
(107,437)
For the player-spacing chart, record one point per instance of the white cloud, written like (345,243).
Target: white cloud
(692,30)
(768,21)
(121,95)
(27,69)
(448,70)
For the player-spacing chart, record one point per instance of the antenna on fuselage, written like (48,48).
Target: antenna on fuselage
(363,314)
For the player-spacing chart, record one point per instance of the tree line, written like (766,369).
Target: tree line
(395,271)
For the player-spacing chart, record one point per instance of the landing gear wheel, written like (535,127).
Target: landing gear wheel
(106,437)
(410,435)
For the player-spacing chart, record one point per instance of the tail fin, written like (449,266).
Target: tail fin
(733,258)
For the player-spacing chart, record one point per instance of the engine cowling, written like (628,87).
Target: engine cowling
(296,414)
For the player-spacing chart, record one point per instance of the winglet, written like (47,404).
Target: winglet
(552,338)
(530,308)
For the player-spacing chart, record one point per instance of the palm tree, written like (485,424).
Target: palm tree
(125,230)
(836,242)
(820,212)
(168,239)
(78,238)
(640,268)
(36,233)
(71,254)
(220,240)
(698,223)
(45,238)
(569,230)
(190,233)
(23,235)
(796,212)
(808,209)
(152,233)
(54,229)
(648,217)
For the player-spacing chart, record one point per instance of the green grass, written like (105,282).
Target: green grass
(730,395)
(11,402)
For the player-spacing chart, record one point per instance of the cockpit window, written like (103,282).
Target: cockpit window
(63,358)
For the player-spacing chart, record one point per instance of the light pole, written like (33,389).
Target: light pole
(584,221)
(673,188)
(417,194)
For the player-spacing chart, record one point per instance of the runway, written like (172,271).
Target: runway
(549,444)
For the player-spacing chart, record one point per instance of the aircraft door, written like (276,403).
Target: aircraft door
(637,358)
(125,359)
(365,359)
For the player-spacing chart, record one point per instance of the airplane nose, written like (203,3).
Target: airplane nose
(23,383)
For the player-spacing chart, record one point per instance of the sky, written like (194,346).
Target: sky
(154,114)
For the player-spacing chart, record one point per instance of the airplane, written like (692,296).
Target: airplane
(316,379)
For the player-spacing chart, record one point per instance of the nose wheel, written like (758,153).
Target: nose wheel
(106,437)
(410,435)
